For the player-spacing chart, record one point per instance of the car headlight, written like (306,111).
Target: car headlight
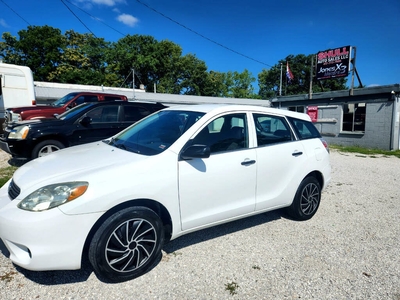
(19,133)
(15,117)
(53,195)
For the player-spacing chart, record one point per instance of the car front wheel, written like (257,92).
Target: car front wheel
(46,147)
(306,201)
(127,244)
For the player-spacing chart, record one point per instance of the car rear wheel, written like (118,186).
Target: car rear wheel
(46,147)
(127,244)
(306,200)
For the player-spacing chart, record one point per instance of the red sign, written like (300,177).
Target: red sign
(312,111)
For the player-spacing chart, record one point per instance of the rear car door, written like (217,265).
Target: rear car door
(221,186)
(281,160)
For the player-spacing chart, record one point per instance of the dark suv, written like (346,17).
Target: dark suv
(57,107)
(88,122)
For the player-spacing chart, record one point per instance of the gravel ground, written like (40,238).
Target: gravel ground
(349,250)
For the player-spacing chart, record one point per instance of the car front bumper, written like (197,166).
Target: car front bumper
(4,145)
(38,241)
(20,149)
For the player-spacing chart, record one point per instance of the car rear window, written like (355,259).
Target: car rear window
(304,129)
(272,129)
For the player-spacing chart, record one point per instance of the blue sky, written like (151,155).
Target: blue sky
(231,35)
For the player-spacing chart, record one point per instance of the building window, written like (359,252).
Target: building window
(299,109)
(354,117)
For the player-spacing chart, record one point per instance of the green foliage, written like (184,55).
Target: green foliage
(85,59)
(232,287)
(6,174)
(81,61)
(365,151)
(39,48)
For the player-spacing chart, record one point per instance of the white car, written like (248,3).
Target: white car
(179,170)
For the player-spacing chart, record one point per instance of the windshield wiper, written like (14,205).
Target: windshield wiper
(112,142)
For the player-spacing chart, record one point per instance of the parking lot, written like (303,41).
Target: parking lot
(349,250)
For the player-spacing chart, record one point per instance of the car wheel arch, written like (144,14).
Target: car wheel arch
(317,175)
(153,205)
(307,198)
(42,139)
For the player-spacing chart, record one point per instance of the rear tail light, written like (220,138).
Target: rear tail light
(325,144)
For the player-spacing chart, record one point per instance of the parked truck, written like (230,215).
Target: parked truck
(16,88)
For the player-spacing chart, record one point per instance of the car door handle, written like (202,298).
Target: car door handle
(248,162)
(297,153)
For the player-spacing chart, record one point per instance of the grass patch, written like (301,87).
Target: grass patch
(6,174)
(366,151)
(232,287)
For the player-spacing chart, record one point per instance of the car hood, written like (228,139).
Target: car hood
(31,108)
(38,122)
(77,163)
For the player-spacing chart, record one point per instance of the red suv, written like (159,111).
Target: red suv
(57,107)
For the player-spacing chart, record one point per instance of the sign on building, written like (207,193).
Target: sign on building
(333,63)
(312,111)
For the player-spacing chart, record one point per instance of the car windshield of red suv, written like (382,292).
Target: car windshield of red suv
(62,101)
(73,111)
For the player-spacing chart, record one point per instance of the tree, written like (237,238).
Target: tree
(8,50)
(38,47)
(241,84)
(138,53)
(154,63)
(215,85)
(230,84)
(82,60)
(193,75)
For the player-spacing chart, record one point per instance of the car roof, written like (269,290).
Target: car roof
(95,93)
(121,102)
(221,108)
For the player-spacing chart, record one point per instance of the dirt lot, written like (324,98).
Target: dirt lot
(4,158)
(349,250)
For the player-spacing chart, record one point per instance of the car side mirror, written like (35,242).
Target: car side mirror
(195,151)
(86,121)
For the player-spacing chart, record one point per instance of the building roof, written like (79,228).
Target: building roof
(355,94)
(53,91)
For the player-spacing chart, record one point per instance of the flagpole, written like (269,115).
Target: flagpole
(280,83)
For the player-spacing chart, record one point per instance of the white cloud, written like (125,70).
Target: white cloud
(108,2)
(3,23)
(128,20)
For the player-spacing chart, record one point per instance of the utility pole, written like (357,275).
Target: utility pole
(133,83)
(280,83)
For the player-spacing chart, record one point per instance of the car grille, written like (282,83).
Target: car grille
(13,190)
(7,117)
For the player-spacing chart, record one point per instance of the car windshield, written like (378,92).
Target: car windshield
(155,133)
(71,113)
(62,101)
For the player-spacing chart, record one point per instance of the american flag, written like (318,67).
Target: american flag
(289,73)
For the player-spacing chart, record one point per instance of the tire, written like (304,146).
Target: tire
(127,244)
(307,199)
(46,147)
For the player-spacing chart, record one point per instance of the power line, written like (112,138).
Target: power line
(95,18)
(201,35)
(78,18)
(15,12)
(172,20)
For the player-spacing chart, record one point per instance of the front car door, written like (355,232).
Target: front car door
(222,186)
(104,124)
